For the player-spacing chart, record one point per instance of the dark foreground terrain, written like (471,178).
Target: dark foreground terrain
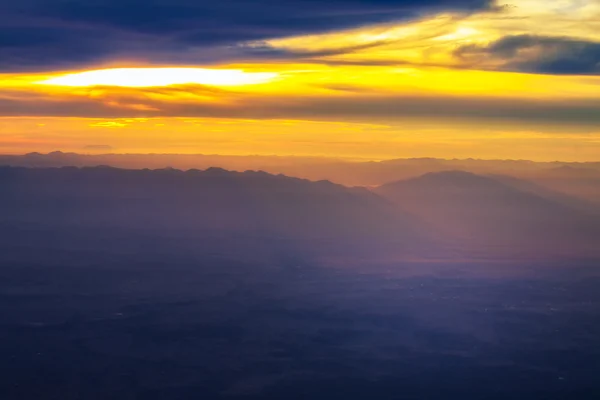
(124,329)
(216,285)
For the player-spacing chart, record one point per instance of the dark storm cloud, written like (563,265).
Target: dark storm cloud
(536,54)
(40,34)
(42,48)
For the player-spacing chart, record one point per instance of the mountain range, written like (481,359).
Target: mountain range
(441,215)
(576,179)
(497,212)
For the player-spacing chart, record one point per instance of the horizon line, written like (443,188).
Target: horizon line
(341,159)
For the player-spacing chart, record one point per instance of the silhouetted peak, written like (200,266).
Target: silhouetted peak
(101,166)
(260,173)
(325,182)
(216,171)
(61,154)
(422,160)
(454,178)
(453,174)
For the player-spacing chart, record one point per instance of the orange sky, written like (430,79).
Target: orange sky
(434,87)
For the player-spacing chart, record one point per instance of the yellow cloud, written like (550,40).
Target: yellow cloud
(107,124)
(379,91)
(149,77)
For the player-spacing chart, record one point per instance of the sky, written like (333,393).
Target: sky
(354,79)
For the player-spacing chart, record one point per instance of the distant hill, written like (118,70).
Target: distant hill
(487,212)
(256,209)
(573,201)
(254,215)
(579,181)
(345,172)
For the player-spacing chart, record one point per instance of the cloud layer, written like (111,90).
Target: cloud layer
(359,106)
(60,34)
(438,66)
(535,54)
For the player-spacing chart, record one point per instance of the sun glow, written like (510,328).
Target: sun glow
(149,77)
